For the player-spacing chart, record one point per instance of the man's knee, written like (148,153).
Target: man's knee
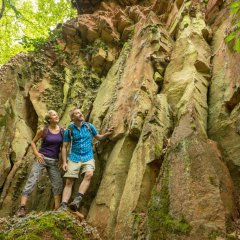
(69,182)
(88,175)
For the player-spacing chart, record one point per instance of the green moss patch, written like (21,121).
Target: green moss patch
(160,221)
(50,225)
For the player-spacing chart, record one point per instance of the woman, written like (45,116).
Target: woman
(47,157)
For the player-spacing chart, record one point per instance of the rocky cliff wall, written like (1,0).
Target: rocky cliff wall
(161,74)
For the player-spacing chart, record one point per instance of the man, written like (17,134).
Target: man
(80,157)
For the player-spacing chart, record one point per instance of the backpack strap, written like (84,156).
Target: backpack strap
(89,128)
(70,134)
(44,133)
(62,132)
(94,144)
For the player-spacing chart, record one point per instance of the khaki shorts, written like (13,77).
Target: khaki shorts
(74,168)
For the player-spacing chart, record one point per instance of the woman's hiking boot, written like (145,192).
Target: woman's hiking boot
(21,211)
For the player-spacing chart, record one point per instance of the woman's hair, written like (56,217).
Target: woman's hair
(48,116)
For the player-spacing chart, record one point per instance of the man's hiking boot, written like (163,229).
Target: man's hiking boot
(74,205)
(21,211)
(63,207)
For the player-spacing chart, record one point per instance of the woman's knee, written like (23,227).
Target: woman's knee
(57,187)
(32,179)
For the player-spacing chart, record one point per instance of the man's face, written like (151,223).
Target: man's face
(77,115)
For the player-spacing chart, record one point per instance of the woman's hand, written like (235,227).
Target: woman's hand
(40,158)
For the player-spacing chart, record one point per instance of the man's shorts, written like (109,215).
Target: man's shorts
(74,168)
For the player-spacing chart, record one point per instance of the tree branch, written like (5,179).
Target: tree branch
(2,9)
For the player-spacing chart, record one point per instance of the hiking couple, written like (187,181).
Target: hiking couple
(78,136)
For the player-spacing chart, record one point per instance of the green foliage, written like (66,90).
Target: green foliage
(150,28)
(91,49)
(10,4)
(26,24)
(234,35)
(218,235)
(234,7)
(38,43)
(214,235)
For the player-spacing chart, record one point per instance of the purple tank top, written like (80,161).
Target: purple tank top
(51,145)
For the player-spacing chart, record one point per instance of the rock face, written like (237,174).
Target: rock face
(160,73)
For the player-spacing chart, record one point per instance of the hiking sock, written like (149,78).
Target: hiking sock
(78,198)
(80,194)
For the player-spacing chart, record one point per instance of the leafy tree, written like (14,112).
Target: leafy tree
(234,35)
(29,21)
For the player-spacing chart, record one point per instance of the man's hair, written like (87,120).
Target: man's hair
(48,116)
(71,113)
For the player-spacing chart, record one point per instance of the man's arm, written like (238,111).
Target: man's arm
(104,136)
(64,155)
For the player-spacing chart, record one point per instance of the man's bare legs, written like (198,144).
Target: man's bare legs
(67,191)
(85,182)
(81,191)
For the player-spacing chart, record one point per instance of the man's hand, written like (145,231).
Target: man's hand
(107,134)
(109,131)
(102,137)
(65,166)
(64,156)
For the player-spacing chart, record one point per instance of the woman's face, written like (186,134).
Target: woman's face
(53,117)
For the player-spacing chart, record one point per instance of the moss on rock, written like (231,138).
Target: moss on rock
(50,225)
(160,221)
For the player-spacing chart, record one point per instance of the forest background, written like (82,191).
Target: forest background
(26,24)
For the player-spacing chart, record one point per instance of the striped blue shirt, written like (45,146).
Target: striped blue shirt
(81,150)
